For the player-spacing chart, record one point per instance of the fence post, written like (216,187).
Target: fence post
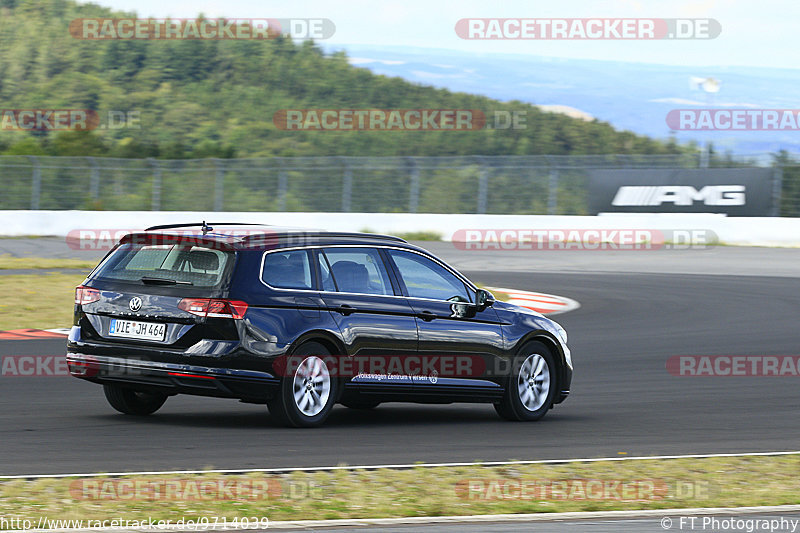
(347,187)
(483,187)
(36,185)
(413,193)
(283,186)
(94,179)
(219,185)
(552,192)
(777,189)
(155,201)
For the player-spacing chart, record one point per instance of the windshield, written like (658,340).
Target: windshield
(165,264)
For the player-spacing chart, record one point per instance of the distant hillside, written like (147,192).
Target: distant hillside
(629,96)
(217,98)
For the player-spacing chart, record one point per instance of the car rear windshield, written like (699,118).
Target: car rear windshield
(165,264)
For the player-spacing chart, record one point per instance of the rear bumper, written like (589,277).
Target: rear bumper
(174,378)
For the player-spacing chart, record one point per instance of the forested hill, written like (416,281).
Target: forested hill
(200,98)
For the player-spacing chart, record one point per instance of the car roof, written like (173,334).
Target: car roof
(256,236)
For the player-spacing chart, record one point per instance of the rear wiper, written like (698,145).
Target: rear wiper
(164,281)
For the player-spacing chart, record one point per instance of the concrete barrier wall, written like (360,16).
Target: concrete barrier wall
(730,230)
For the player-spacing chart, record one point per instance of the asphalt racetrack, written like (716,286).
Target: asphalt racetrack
(623,399)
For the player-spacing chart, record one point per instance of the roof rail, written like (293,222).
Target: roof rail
(206,227)
(363,235)
(356,235)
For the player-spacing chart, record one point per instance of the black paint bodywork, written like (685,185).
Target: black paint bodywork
(236,358)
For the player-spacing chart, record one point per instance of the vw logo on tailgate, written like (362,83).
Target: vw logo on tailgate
(135,304)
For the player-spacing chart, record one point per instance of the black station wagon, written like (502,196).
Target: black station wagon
(301,320)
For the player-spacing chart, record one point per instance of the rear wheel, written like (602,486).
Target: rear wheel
(308,392)
(531,386)
(132,402)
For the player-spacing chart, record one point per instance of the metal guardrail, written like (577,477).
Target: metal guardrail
(449,184)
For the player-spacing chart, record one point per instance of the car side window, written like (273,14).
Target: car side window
(425,278)
(287,270)
(357,270)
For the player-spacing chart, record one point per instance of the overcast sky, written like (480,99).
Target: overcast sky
(754,33)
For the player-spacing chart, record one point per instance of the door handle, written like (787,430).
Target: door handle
(427,316)
(344,309)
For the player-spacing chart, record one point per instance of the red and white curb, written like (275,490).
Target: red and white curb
(24,334)
(546,304)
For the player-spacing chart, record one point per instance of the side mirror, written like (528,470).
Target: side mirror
(483,299)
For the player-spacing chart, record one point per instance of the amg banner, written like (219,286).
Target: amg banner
(733,191)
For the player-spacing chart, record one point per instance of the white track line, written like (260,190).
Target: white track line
(422,520)
(535,517)
(399,466)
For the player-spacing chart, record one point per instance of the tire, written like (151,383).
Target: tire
(361,403)
(132,402)
(529,394)
(305,397)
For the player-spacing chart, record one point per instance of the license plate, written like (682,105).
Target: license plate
(132,329)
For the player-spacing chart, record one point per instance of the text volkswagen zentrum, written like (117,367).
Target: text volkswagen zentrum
(303,320)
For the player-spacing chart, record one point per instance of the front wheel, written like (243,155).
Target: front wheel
(307,394)
(531,387)
(132,402)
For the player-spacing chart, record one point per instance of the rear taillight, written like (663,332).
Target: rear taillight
(85,295)
(213,307)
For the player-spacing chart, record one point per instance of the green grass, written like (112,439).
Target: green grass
(37,300)
(420,236)
(410,235)
(710,482)
(8,262)
(498,295)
